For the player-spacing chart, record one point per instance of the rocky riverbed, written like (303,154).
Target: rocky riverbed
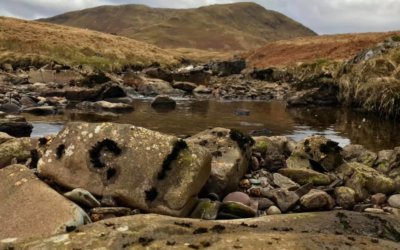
(231,187)
(110,185)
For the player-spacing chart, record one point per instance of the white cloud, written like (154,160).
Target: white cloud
(323,16)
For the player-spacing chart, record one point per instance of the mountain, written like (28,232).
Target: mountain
(312,49)
(34,43)
(225,27)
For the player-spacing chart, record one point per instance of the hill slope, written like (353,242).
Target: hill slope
(226,27)
(312,49)
(32,43)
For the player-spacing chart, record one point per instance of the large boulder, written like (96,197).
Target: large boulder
(16,150)
(15,126)
(30,208)
(231,153)
(139,168)
(365,180)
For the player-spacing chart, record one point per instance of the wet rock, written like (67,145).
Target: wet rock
(154,87)
(273,210)
(15,126)
(284,182)
(74,93)
(41,110)
(18,149)
(206,210)
(325,95)
(378,199)
(237,210)
(227,68)
(285,199)
(304,176)
(158,73)
(365,180)
(238,197)
(113,159)
(185,86)
(10,108)
(231,154)
(357,153)
(202,90)
(83,198)
(163,101)
(317,153)
(94,79)
(102,106)
(126,100)
(112,91)
(317,200)
(30,208)
(394,201)
(345,197)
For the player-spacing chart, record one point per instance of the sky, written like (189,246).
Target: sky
(322,16)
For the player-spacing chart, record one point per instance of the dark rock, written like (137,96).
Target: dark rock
(227,68)
(41,110)
(206,210)
(325,95)
(242,112)
(10,108)
(113,91)
(185,86)
(163,101)
(16,126)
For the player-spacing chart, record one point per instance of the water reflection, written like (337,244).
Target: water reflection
(190,117)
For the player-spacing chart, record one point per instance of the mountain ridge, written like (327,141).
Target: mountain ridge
(221,27)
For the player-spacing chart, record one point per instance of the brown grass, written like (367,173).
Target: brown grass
(311,49)
(33,43)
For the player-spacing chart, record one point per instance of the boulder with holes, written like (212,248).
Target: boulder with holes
(137,167)
(231,153)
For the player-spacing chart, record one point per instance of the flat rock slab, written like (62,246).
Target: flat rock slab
(330,230)
(30,208)
(138,167)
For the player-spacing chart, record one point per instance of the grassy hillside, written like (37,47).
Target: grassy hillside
(227,27)
(313,49)
(35,43)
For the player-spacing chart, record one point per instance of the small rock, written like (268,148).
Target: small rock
(345,197)
(273,210)
(394,201)
(284,198)
(237,209)
(264,203)
(239,197)
(185,86)
(206,210)
(82,197)
(245,183)
(317,200)
(284,182)
(163,101)
(374,210)
(378,199)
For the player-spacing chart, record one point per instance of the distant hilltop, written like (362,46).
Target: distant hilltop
(225,27)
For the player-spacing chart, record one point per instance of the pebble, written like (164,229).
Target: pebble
(273,210)
(374,210)
(394,201)
(378,199)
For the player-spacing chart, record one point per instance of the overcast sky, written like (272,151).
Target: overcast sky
(322,16)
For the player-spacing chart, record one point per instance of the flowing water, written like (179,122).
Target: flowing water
(190,117)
